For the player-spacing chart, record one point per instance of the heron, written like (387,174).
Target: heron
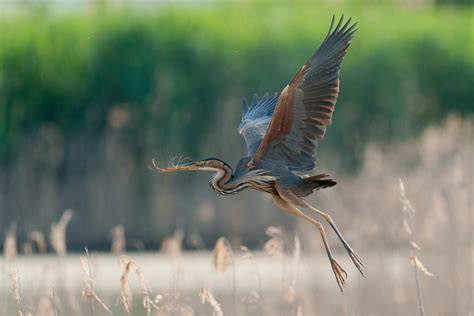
(282,132)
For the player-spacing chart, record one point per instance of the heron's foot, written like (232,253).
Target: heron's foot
(357,260)
(339,273)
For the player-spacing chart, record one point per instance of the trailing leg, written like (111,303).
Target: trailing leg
(338,271)
(295,200)
(355,257)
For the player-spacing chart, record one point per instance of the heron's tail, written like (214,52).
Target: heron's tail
(320,181)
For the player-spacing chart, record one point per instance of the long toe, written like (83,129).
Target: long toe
(339,273)
(357,261)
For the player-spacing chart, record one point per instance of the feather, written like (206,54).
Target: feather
(306,105)
(255,120)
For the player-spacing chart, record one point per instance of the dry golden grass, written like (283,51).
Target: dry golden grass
(291,293)
(223,255)
(172,245)
(207,296)
(126,296)
(274,246)
(286,275)
(10,247)
(408,212)
(38,237)
(88,291)
(117,234)
(251,300)
(16,291)
(57,235)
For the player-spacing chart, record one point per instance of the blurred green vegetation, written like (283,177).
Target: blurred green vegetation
(173,69)
(88,95)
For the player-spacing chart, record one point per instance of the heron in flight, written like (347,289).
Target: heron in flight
(282,132)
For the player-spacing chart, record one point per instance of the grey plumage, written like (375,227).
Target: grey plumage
(255,120)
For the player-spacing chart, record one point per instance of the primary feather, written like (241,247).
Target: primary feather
(305,106)
(255,120)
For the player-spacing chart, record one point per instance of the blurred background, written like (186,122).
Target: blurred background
(92,90)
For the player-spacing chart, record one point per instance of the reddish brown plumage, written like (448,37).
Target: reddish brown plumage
(282,119)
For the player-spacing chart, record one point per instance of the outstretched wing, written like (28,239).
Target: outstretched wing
(306,104)
(255,120)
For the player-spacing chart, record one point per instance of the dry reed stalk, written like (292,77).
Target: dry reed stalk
(207,296)
(16,291)
(408,212)
(247,255)
(126,296)
(251,300)
(172,245)
(291,295)
(223,259)
(274,246)
(117,234)
(223,255)
(88,292)
(58,233)
(38,238)
(10,248)
(416,262)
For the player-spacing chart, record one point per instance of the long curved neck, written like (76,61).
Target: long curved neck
(220,181)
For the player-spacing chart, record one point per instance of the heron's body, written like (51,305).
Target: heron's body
(226,181)
(282,133)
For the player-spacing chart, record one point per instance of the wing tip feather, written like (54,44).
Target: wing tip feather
(340,29)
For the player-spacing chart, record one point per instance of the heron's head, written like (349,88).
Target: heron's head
(208,164)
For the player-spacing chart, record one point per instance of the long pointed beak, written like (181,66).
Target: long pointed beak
(179,167)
